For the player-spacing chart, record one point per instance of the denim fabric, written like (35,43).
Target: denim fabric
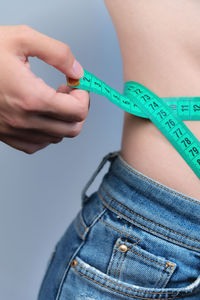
(133,238)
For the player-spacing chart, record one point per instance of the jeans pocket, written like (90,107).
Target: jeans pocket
(113,266)
(132,264)
(85,281)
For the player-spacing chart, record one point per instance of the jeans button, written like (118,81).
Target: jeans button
(73,263)
(123,248)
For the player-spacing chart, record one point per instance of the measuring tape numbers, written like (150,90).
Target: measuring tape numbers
(166,113)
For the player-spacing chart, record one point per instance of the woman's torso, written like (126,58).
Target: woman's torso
(160,46)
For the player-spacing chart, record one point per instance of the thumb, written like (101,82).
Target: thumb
(53,52)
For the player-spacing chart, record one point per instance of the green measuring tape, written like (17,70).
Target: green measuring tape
(166,113)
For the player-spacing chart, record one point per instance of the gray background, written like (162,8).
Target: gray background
(40,193)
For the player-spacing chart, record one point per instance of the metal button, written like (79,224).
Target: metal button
(123,248)
(74,263)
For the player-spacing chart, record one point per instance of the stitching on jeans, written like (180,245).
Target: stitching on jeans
(147,258)
(120,266)
(111,262)
(162,274)
(97,217)
(116,251)
(155,183)
(148,219)
(168,276)
(77,228)
(122,230)
(115,283)
(82,221)
(119,230)
(118,246)
(151,230)
(58,291)
(119,270)
(129,248)
(124,254)
(165,272)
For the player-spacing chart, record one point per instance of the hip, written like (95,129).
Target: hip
(133,238)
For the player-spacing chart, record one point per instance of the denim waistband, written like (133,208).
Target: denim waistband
(148,204)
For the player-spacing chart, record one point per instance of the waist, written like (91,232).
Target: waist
(146,149)
(151,205)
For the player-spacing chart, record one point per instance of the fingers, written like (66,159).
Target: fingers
(78,94)
(33,114)
(26,147)
(30,136)
(66,89)
(68,107)
(51,127)
(34,95)
(72,107)
(52,51)
(63,88)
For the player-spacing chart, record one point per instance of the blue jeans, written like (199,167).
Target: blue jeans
(133,238)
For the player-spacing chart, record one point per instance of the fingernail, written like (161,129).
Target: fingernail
(77,69)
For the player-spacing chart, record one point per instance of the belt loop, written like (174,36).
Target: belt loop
(110,156)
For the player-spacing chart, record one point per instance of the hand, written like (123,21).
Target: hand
(33,114)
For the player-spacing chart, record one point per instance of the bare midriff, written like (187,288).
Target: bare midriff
(160,47)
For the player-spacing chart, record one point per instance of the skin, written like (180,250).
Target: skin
(160,45)
(32,114)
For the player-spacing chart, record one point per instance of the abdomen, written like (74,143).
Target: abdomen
(160,46)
